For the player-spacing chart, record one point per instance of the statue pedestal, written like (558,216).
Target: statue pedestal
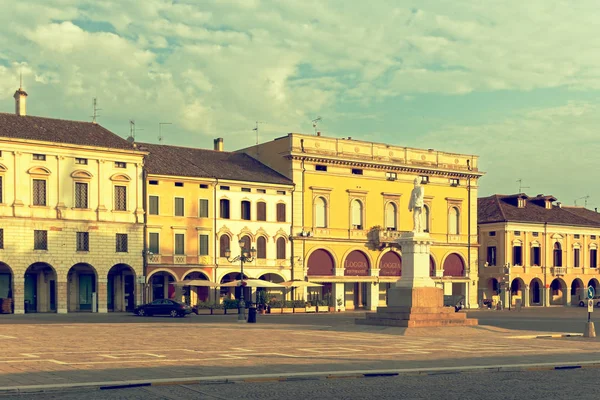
(415,301)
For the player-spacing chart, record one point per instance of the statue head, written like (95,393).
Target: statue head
(417,182)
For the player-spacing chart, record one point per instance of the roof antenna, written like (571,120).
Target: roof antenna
(21,78)
(586,197)
(256,129)
(521,187)
(94,103)
(160,124)
(315,122)
(132,130)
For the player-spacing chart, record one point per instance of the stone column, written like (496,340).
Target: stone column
(102,295)
(18,290)
(373,291)
(547,297)
(338,292)
(525,301)
(61,296)
(415,260)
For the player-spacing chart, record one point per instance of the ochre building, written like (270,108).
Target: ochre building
(350,204)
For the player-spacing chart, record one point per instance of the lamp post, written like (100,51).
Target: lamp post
(245,256)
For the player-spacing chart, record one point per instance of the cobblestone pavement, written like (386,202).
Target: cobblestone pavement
(68,353)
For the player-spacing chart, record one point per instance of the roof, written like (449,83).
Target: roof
(60,131)
(504,208)
(202,163)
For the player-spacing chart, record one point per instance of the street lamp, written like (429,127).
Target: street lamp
(245,256)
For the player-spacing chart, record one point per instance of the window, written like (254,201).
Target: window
(83,241)
(81,195)
(536,256)
(424,179)
(246,190)
(281,192)
(223,245)
(454,182)
(281,212)
(261,191)
(154,243)
(120,164)
(261,211)
(261,247)
(246,244)
(179,184)
(557,255)
(391,176)
(1,238)
(153,205)
(390,216)
(203,186)
(491,256)
(357,171)
(280,248)
(426,218)
(224,209)
(121,243)
(179,244)
(203,245)
(81,161)
(453,221)
(40,240)
(39,157)
(320,212)
(246,210)
(153,182)
(535,234)
(593,258)
(492,233)
(203,208)
(517,233)
(517,255)
(593,237)
(179,203)
(121,198)
(576,258)
(576,236)
(39,192)
(320,167)
(356,214)
(224,187)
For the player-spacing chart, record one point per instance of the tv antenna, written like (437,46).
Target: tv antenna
(521,187)
(585,200)
(256,129)
(315,122)
(160,124)
(132,130)
(96,109)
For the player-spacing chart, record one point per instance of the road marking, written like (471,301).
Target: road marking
(129,355)
(7,337)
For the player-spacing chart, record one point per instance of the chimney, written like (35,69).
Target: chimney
(20,102)
(219,144)
(318,133)
(559,204)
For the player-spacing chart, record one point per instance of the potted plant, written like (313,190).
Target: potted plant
(299,306)
(275,306)
(217,309)
(311,306)
(288,307)
(230,304)
(322,306)
(339,304)
(202,307)
(261,301)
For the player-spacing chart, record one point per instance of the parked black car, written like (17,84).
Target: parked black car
(163,307)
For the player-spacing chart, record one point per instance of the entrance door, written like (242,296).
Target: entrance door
(30,292)
(86,283)
(110,293)
(52,295)
(129,293)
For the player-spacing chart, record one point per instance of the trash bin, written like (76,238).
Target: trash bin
(252,314)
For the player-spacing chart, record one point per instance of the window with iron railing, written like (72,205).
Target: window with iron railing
(40,240)
(39,192)
(122,244)
(81,195)
(83,241)
(120,198)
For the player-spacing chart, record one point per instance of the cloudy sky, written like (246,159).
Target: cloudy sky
(517,83)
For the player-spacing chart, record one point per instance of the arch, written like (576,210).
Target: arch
(391,216)
(261,247)
(232,276)
(235,291)
(40,292)
(161,284)
(194,294)
(120,178)
(224,244)
(281,248)
(269,276)
(432,265)
(390,264)
(356,214)
(558,292)
(594,283)
(536,292)
(356,263)
(189,274)
(320,262)
(578,292)
(6,282)
(39,171)
(121,288)
(320,210)
(517,291)
(453,221)
(82,281)
(454,265)
(81,174)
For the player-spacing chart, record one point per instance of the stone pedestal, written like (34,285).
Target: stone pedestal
(415,301)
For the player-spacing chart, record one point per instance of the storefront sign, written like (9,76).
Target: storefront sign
(390,264)
(356,264)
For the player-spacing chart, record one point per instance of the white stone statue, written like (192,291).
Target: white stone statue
(416,206)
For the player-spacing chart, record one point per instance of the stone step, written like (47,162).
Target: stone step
(417,316)
(417,310)
(416,323)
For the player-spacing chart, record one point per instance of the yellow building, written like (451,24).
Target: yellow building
(201,203)
(536,251)
(71,215)
(351,204)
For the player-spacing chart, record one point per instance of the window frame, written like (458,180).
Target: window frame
(246,207)
(150,197)
(82,242)
(44,240)
(261,216)
(120,239)
(175,199)
(282,206)
(150,247)
(222,203)
(176,251)
(115,202)
(87,195)
(33,196)
(200,202)
(281,252)
(200,236)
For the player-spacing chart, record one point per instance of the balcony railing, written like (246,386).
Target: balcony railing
(154,259)
(386,236)
(178,259)
(557,271)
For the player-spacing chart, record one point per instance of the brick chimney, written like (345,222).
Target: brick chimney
(20,102)
(219,144)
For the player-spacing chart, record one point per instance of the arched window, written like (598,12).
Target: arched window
(453,221)
(281,248)
(357,214)
(391,212)
(557,255)
(320,212)
(426,220)
(261,247)
(246,242)
(224,244)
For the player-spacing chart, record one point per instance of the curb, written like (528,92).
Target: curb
(548,336)
(300,376)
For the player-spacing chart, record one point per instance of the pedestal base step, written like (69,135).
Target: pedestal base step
(413,323)
(417,317)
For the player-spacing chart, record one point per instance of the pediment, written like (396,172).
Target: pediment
(3,168)
(120,178)
(38,171)
(81,174)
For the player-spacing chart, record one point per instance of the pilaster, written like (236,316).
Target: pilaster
(61,297)
(102,295)
(19,294)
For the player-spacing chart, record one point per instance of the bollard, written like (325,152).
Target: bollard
(590,331)
(252,314)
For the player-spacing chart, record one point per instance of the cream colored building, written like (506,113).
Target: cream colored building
(536,251)
(71,215)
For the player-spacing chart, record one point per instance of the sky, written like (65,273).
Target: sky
(516,83)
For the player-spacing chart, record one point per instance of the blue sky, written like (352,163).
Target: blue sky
(517,85)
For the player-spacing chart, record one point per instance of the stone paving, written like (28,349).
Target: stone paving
(69,353)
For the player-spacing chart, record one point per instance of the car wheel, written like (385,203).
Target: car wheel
(598,304)
(581,304)
(141,312)
(174,313)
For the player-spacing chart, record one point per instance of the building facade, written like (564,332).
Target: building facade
(535,251)
(71,215)
(201,203)
(351,204)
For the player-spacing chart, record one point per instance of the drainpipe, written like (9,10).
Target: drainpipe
(216,256)
(470,168)
(545,260)
(145,239)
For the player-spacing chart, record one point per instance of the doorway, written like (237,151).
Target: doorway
(86,288)
(31,292)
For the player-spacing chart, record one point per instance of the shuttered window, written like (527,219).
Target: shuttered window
(153,205)
(261,247)
(203,208)
(203,244)
(281,212)
(261,211)
(281,248)
(223,245)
